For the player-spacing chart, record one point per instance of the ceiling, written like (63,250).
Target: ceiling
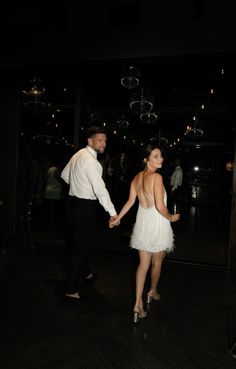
(71,30)
(181,88)
(179,49)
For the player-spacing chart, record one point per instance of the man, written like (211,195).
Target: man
(83,173)
(176,184)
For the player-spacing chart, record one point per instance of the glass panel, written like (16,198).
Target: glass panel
(46,135)
(187,93)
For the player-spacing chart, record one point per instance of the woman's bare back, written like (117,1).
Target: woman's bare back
(143,184)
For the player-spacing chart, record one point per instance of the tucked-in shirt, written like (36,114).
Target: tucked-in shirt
(176,178)
(83,174)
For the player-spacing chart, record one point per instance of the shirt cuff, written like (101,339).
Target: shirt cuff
(112,213)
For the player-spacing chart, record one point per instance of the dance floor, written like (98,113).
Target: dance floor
(193,326)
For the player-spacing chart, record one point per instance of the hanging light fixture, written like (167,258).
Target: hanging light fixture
(122,122)
(149,118)
(194,131)
(130,77)
(141,101)
(34,96)
(159,138)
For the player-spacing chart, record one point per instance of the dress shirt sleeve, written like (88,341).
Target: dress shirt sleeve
(65,174)
(94,174)
(177,180)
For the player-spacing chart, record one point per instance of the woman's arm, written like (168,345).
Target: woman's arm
(159,199)
(130,202)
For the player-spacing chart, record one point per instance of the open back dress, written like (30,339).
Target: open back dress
(152,232)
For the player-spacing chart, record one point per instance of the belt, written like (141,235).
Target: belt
(79,199)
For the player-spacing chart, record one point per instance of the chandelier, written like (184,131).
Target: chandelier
(149,118)
(130,77)
(194,131)
(33,98)
(159,139)
(141,101)
(122,122)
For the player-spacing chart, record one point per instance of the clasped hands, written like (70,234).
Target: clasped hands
(113,221)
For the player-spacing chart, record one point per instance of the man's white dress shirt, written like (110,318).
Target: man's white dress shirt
(83,174)
(176,178)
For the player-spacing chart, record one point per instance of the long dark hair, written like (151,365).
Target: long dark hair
(148,149)
(147,152)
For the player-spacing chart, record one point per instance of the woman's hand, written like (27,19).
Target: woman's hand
(113,222)
(174,217)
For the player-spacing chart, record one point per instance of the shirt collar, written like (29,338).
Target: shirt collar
(91,151)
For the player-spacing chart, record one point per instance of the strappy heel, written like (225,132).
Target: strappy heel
(139,313)
(153,296)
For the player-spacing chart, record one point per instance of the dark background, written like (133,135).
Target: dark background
(78,51)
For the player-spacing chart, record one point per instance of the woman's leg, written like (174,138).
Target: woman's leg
(144,263)
(156,264)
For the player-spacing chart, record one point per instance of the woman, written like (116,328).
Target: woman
(152,233)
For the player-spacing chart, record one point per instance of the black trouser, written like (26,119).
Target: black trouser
(82,219)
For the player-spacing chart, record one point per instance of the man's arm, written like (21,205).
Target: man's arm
(65,174)
(94,174)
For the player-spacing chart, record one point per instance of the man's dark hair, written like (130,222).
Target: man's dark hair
(177,161)
(92,131)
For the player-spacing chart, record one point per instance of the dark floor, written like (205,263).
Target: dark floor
(201,236)
(193,326)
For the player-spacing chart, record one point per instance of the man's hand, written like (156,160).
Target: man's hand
(114,217)
(113,221)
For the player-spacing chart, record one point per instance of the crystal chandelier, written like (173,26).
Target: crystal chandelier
(149,118)
(122,122)
(130,77)
(194,131)
(141,101)
(33,98)
(159,138)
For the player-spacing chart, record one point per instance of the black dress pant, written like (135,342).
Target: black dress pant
(82,219)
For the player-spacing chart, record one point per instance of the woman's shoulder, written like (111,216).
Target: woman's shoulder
(138,175)
(136,178)
(157,176)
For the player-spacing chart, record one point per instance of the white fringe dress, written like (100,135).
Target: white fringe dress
(152,232)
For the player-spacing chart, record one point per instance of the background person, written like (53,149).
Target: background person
(53,195)
(176,182)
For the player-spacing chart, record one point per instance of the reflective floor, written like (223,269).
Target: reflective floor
(193,325)
(201,235)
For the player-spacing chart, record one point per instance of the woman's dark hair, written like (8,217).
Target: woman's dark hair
(146,153)
(92,131)
(148,149)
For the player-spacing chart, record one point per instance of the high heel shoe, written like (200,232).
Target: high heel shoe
(139,313)
(152,296)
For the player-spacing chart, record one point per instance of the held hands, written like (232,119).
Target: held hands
(113,221)
(174,217)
